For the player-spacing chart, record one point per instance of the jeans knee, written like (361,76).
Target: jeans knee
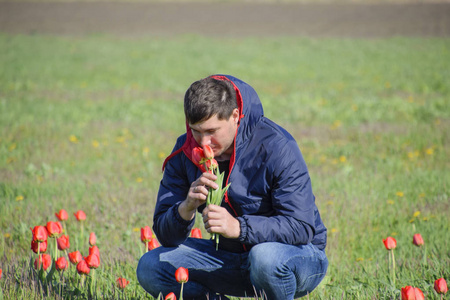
(145,273)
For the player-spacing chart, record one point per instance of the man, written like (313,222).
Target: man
(272,239)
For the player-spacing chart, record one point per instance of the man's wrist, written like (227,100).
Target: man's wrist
(184,212)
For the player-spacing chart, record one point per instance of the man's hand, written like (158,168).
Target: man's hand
(197,195)
(218,220)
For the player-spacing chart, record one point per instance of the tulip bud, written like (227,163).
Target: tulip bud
(39,246)
(208,152)
(182,275)
(390,243)
(61,264)
(412,293)
(80,215)
(122,282)
(93,261)
(62,215)
(54,228)
(39,233)
(45,260)
(63,242)
(196,233)
(440,286)
(92,239)
(146,234)
(82,268)
(198,157)
(418,240)
(171,296)
(75,257)
(153,244)
(94,250)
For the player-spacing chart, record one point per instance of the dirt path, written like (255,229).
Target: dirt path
(228,19)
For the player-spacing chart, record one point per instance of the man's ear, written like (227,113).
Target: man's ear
(235,115)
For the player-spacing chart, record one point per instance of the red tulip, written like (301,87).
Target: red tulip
(1,273)
(171,296)
(82,268)
(61,263)
(440,286)
(63,242)
(94,250)
(122,282)
(208,152)
(198,157)
(211,165)
(93,261)
(54,228)
(390,243)
(182,275)
(153,244)
(418,240)
(146,234)
(62,215)
(80,215)
(39,233)
(196,233)
(412,293)
(92,239)
(39,247)
(75,257)
(45,260)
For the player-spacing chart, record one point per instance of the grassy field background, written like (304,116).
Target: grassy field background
(86,122)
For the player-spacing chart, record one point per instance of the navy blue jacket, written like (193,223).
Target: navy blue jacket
(270,191)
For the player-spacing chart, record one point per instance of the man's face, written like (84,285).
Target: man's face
(218,134)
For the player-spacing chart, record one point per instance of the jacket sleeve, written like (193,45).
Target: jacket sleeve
(170,228)
(291,219)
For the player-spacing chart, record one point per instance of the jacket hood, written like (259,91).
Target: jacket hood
(250,109)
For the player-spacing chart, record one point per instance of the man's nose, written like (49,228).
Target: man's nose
(205,140)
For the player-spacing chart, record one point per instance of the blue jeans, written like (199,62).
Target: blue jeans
(274,270)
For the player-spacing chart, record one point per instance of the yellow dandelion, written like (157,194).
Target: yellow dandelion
(416,153)
(422,195)
(334,161)
(437,121)
(120,139)
(10,160)
(416,213)
(370,259)
(359,259)
(425,219)
(7,235)
(161,155)
(136,229)
(411,155)
(114,199)
(334,230)
(139,179)
(391,202)
(73,139)
(429,151)
(394,233)
(145,151)
(336,124)
(83,85)
(330,203)
(410,99)
(400,194)
(387,85)
(342,159)
(323,158)
(19,198)
(376,229)
(354,107)
(95,144)
(412,220)
(12,147)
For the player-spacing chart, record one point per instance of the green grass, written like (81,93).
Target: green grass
(86,122)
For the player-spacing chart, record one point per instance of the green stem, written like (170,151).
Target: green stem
(181,292)
(39,256)
(146,247)
(56,249)
(393,267)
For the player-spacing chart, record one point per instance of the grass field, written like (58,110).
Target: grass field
(86,122)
